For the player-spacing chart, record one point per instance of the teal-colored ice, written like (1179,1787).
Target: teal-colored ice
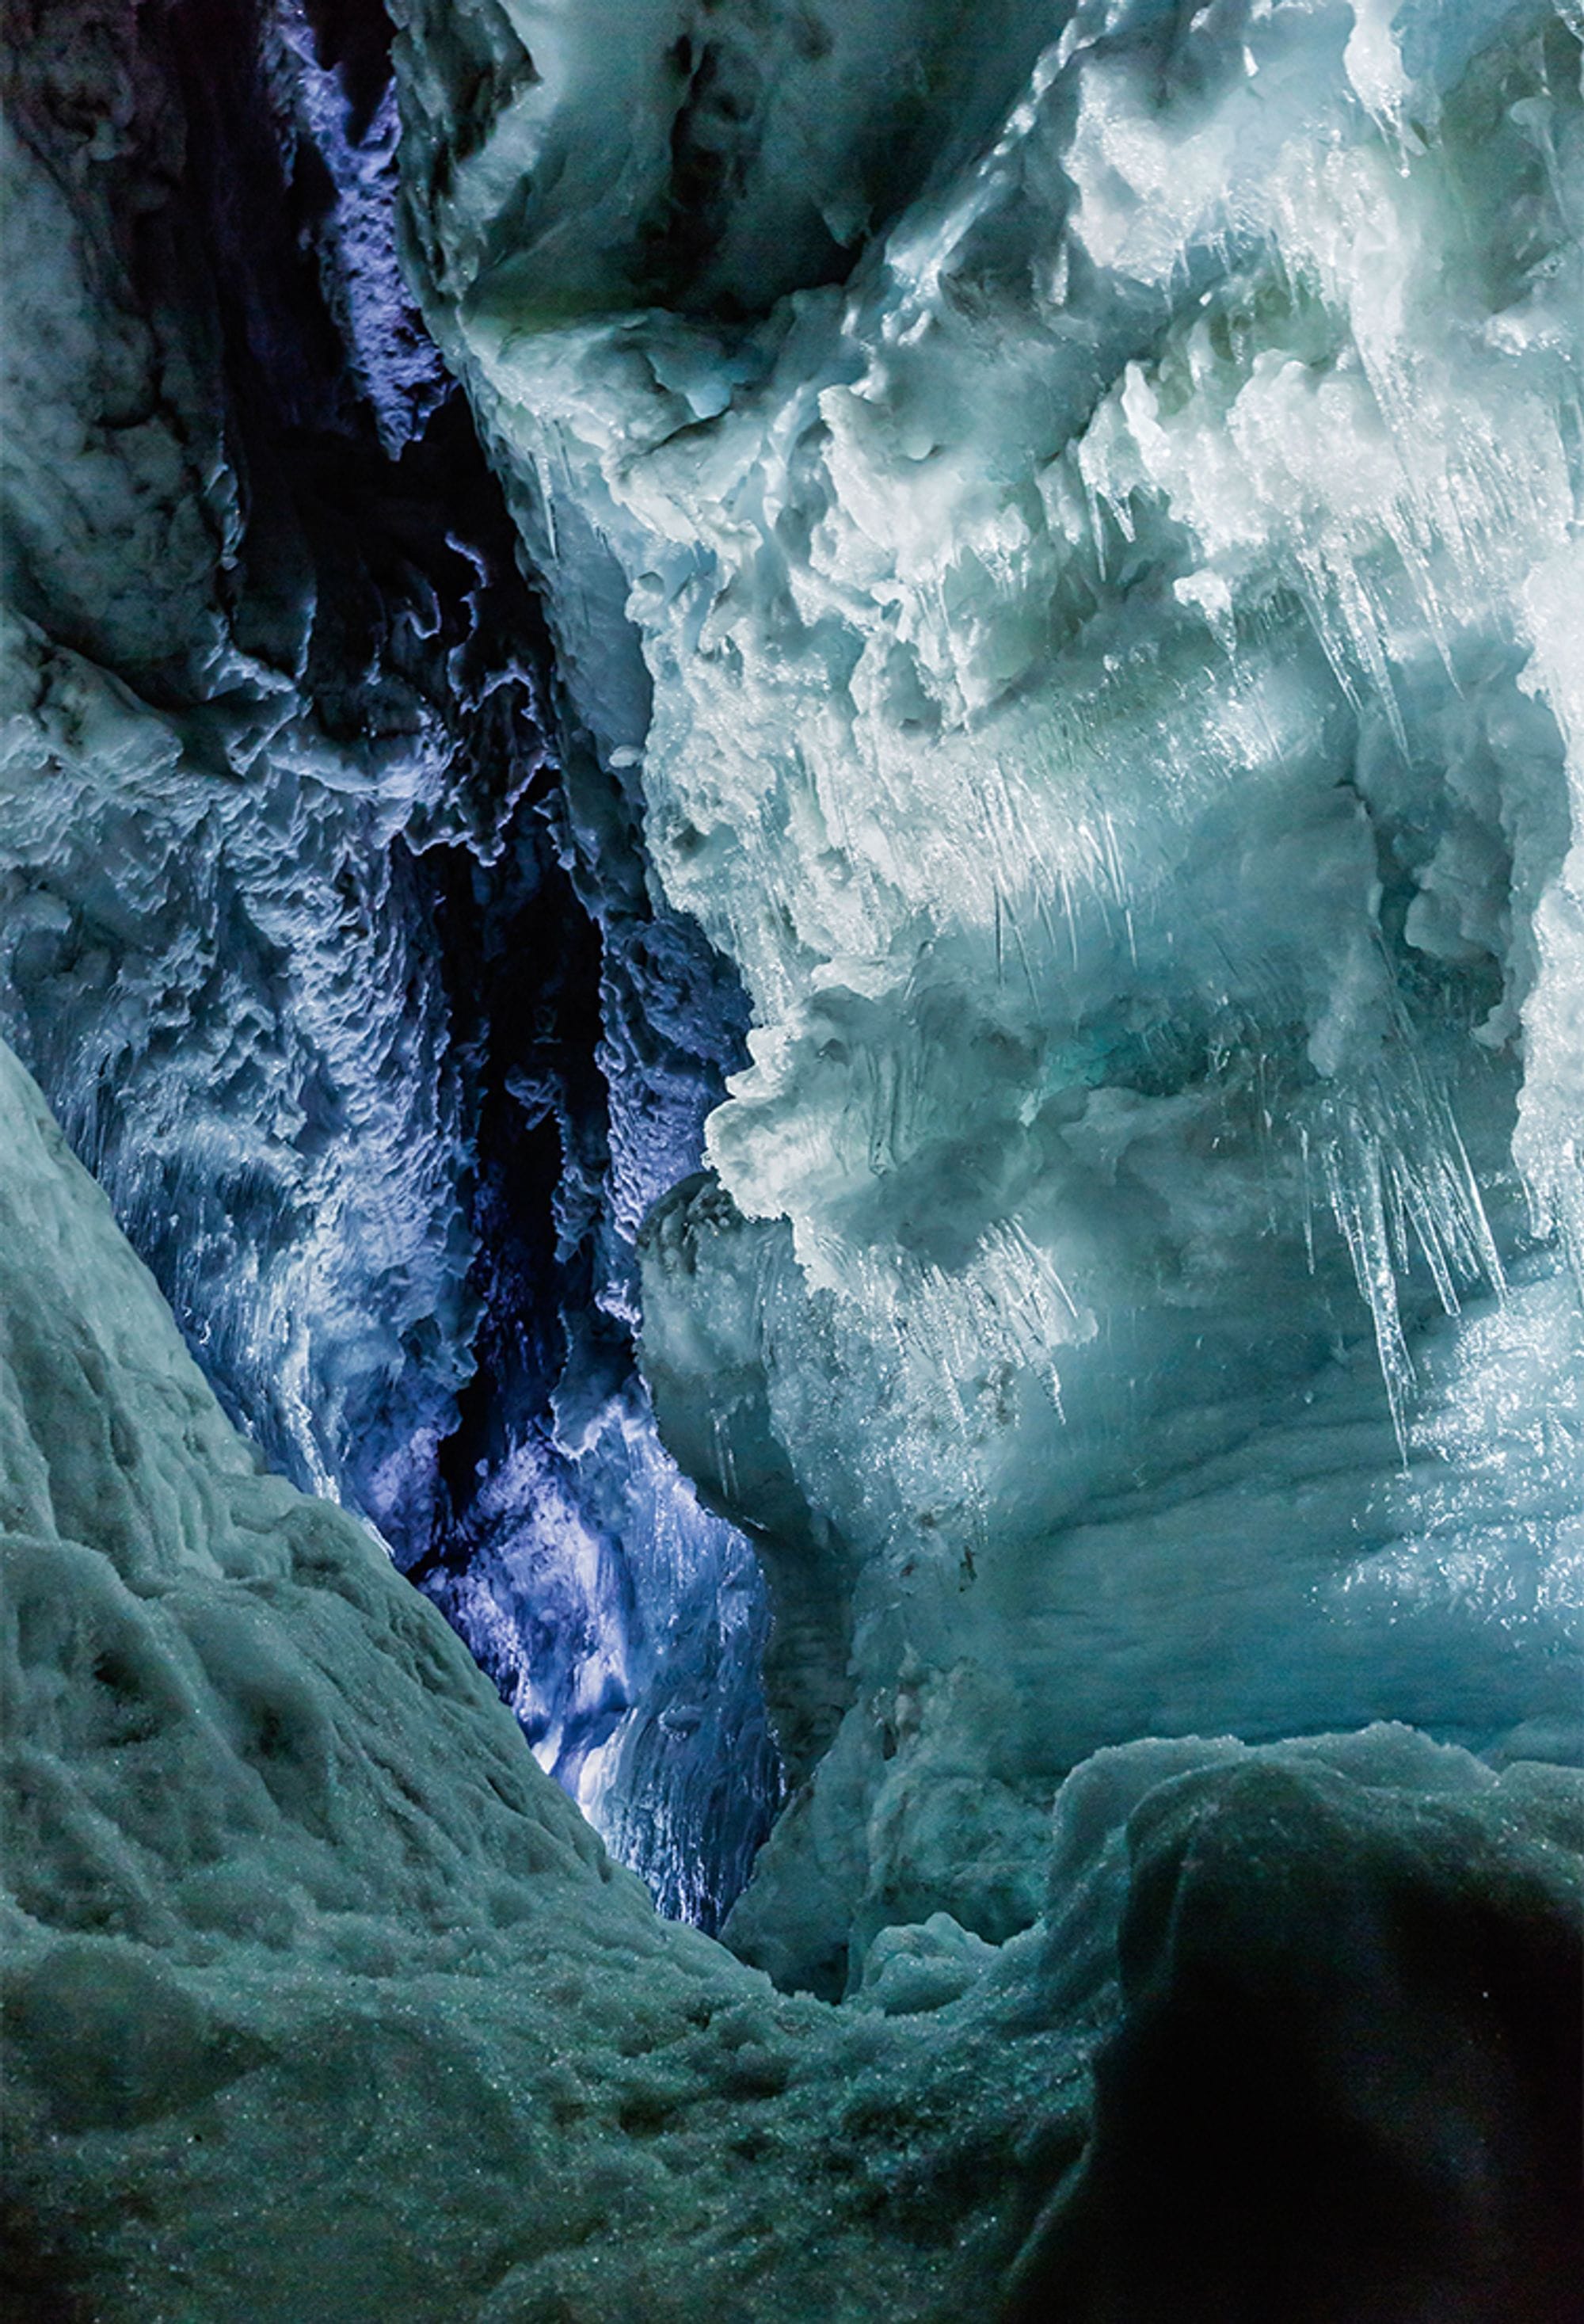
(1060,537)
(320,2000)
(1098,639)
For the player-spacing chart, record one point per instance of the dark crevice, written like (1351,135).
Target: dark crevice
(362,557)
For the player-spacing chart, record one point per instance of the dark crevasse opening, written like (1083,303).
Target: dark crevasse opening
(378,1049)
(622,1622)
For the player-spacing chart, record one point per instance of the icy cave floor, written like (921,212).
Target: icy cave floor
(322,2000)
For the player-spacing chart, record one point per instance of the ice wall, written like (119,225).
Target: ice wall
(363,1019)
(1068,517)
(319,2000)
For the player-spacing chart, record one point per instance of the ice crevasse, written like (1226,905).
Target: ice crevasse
(1067,521)
(338,971)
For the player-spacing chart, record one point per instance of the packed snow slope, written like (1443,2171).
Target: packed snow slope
(1067,518)
(321,2000)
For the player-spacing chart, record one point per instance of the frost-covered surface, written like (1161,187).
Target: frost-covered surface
(364,1022)
(1069,518)
(321,2000)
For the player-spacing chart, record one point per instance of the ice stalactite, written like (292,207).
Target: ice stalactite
(1068,521)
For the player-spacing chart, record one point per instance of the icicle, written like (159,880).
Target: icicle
(1354,1183)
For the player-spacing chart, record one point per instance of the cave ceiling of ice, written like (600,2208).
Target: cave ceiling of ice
(957,1035)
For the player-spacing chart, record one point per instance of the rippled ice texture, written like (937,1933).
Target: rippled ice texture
(1070,518)
(362,1020)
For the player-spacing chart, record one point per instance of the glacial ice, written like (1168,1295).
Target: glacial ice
(1059,532)
(1070,520)
(320,1999)
(364,1022)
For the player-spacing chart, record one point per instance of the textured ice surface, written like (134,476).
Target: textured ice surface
(320,2000)
(1070,517)
(317,2000)
(248,679)
(366,1023)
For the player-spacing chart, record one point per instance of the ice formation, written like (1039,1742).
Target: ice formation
(320,1999)
(1055,724)
(350,996)
(1071,516)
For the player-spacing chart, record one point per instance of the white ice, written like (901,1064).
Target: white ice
(1097,637)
